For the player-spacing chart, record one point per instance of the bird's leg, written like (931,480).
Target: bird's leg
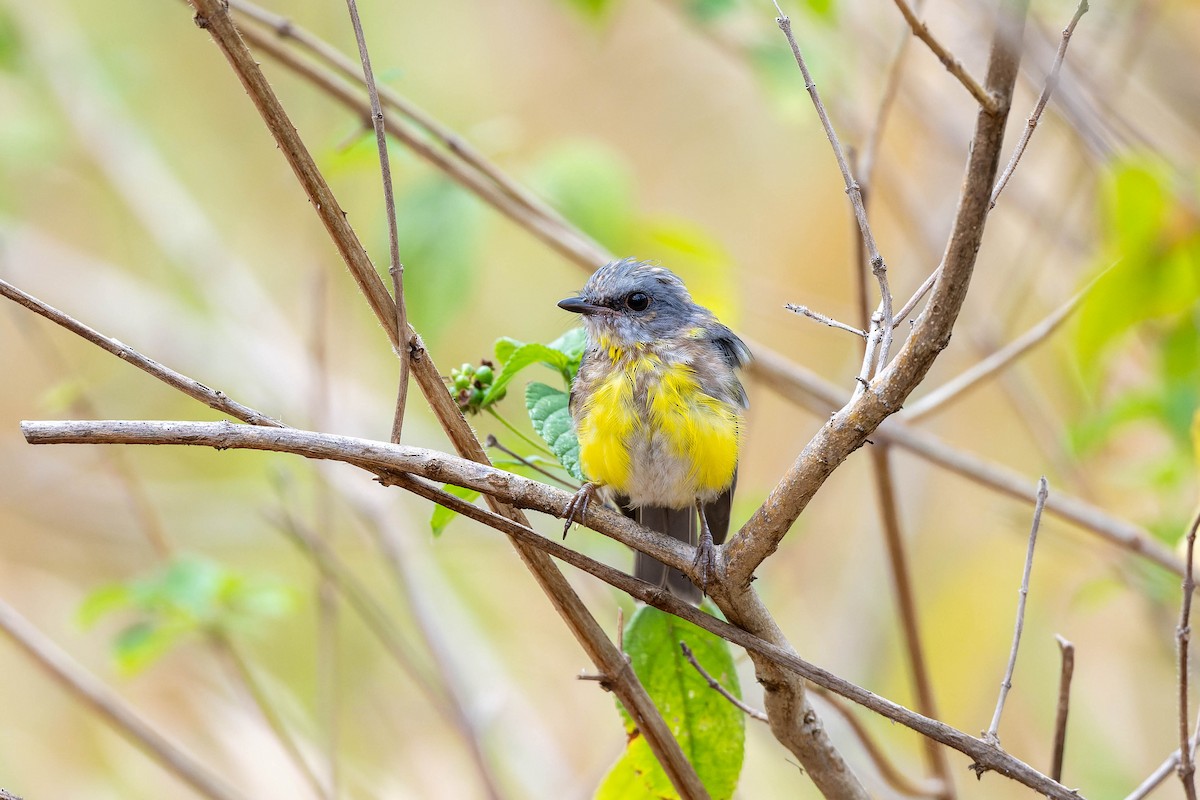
(577,508)
(705,563)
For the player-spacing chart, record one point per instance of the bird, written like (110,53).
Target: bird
(658,409)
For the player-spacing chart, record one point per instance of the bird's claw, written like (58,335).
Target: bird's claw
(704,565)
(576,508)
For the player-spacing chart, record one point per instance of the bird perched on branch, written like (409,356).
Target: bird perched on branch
(657,407)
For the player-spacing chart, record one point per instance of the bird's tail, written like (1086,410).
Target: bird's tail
(681,524)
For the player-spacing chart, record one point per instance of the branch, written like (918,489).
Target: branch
(819,396)
(105,702)
(906,608)
(1187,768)
(396,267)
(852,189)
(849,428)
(529,213)
(1006,683)
(1064,705)
(1047,90)
(997,361)
(395,460)
(197,391)
(715,685)
(988,100)
(805,311)
(213,16)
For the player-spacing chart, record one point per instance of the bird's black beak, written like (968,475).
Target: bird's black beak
(580,306)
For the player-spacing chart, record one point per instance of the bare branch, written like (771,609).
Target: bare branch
(878,268)
(1006,683)
(396,267)
(193,389)
(392,461)
(243,675)
(1036,115)
(1183,636)
(715,684)
(112,708)
(1064,705)
(997,361)
(805,311)
(213,16)
(906,609)
(850,427)
(986,99)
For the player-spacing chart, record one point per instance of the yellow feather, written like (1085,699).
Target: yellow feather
(697,428)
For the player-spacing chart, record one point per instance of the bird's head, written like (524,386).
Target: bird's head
(628,301)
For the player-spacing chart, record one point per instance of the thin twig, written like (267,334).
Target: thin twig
(1164,770)
(457,145)
(982,370)
(952,64)
(806,389)
(112,708)
(1064,704)
(906,786)
(1006,684)
(878,268)
(390,462)
(243,675)
(891,89)
(493,442)
(1051,84)
(395,266)
(874,338)
(441,694)
(459,161)
(715,684)
(1031,123)
(921,291)
(906,609)
(193,389)
(1183,636)
(824,320)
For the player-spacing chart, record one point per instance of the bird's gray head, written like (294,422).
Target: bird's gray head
(633,301)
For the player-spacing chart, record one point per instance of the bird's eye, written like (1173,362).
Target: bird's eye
(637,301)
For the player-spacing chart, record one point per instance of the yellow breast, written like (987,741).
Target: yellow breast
(648,431)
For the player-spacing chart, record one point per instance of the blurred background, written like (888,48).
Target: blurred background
(141,193)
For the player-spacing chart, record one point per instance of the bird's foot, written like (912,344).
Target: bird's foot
(576,509)
(705,562)
(704,565)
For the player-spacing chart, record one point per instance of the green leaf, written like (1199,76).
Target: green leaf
(1156,241)
(524,356)
(143,643)
(190,595)
(571,344)
(438,225)
(103,601)
(442,516)
(504,348)
(710,730)
(592,186)
(551,419)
